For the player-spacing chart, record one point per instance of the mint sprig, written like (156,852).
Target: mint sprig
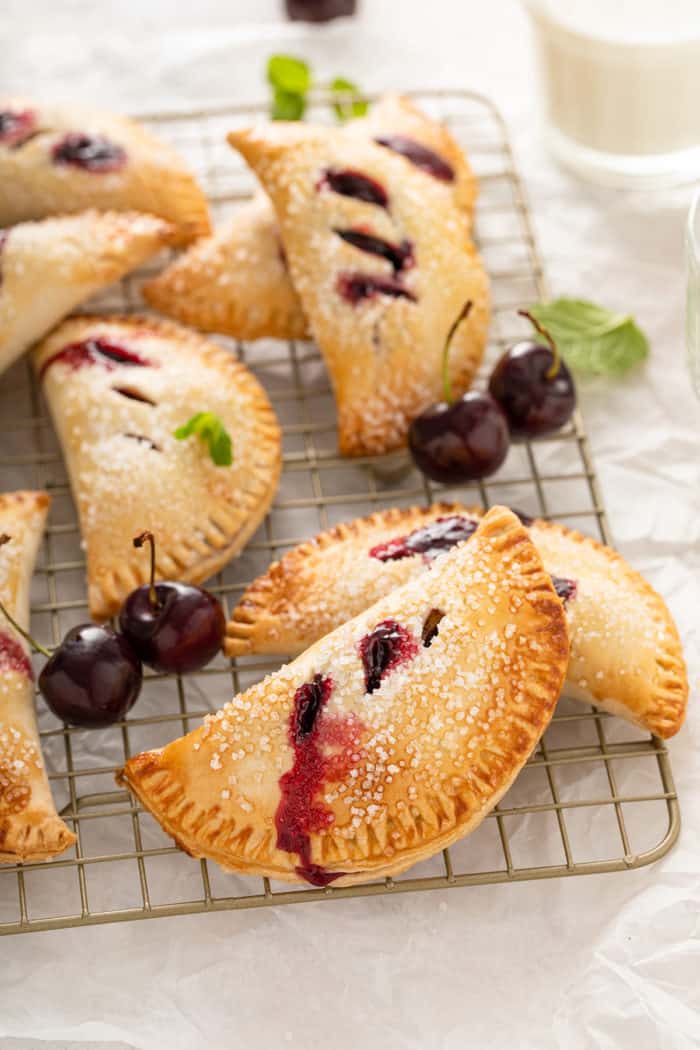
(291,81)
(591,338)
(209,427)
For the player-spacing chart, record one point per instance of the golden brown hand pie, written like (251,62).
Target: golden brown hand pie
(118,388)
(56,159)
(382,262)
(386,740)
(626,656)
(30,828)
(48,268)
(236,282)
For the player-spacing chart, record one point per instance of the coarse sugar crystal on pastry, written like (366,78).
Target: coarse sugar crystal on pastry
(47,268)
(388,739)
(57,158)
(30,827)
(383,264)
(626,655)
(118,388)
(237,282)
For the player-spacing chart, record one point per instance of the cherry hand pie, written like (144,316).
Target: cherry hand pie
(386,740)
(237,282)
(48,268)
(30,828)
(626,656)
(381,258)
(56,159)
(118,389)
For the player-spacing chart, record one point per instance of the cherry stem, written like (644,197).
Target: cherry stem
(4,538)
(446,382)
(147,537)
(556,363)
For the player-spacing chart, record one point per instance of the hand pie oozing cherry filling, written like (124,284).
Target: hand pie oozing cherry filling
(425,159)
(399,255)
(90,152)
(13,656)
(97,351)
(387,646)
(323,750)
(355,287)
(16,126)
(429,540)
(350,183)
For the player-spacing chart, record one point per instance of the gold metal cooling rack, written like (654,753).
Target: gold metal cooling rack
(597,796)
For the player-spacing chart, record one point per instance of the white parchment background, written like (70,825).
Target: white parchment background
(605,962)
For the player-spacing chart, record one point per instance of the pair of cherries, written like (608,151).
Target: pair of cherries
(93,678)
(531,393)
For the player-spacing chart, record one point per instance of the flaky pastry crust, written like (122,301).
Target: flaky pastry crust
(30,827)
(376,778)
(626,655)
(48,268)
(68,159)
(116,413)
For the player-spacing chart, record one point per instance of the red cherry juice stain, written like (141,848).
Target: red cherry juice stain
(13,656)
(323,749)
(95,352)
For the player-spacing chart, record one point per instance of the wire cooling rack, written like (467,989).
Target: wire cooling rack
(597,796)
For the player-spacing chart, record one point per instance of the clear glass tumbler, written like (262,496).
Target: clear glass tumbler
(692,316)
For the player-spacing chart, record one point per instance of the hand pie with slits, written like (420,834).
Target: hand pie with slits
(30,827)
(626,656)
(48,268)
(118,389)
(382,262)
(386,740)
(237,282)
(56,159)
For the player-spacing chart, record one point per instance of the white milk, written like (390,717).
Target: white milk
(621,85)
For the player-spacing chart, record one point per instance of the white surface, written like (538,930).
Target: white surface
(605,962)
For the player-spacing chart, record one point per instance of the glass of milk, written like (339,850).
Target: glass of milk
(692,317)
(620,81)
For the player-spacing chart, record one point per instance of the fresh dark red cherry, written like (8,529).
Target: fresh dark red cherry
(462,440)
(534,386)
(173,627)
(90,152)
(93,678)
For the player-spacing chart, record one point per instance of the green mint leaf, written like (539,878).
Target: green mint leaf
(346,107)
(289,74)
(287,106)
(208,427)
(591,338)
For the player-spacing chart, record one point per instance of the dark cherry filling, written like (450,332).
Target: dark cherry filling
(351,183)
(143,440)
(95,351)
(13,656)
(90,152)
(133,395)
(355,287)
(430,540)
(565,588)
(399,255)
(388,645)
(431,627)
(323,749)
(425,159)
(16,127)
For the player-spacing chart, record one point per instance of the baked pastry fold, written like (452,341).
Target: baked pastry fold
(118,388)
(30,827)
(388,739)
(626,656)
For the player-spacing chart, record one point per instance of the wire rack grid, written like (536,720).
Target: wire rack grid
(597,795)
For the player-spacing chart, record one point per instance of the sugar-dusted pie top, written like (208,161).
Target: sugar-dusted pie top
(382,742)
(118,389)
